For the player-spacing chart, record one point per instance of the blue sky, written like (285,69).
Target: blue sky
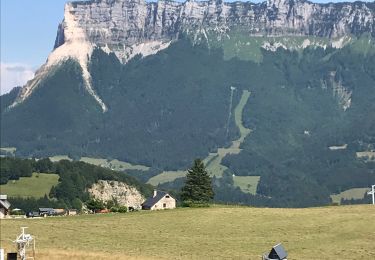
(28,30)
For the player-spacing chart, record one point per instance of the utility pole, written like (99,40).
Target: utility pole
(372,192)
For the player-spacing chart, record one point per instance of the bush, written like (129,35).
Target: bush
(114,209)
(17,212)
(123,209)
(95,205)
(195,204)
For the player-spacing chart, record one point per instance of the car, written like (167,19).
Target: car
(32,214)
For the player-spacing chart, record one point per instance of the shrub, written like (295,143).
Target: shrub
(123,209)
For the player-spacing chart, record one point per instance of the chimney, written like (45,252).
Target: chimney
(155,192)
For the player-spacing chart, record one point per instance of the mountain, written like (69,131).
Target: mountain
(128,28)
(160,84)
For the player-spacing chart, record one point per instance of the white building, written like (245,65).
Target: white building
(159,200)
(4,206)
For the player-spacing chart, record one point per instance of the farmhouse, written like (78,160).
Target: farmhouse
(159,200)
(4,206)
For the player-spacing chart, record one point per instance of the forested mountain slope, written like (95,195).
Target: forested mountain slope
(161,91)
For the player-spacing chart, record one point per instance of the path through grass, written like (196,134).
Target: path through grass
(213,160)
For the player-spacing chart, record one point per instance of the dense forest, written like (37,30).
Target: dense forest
(167,109)
(74,180)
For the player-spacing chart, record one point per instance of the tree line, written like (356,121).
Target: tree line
(74,180)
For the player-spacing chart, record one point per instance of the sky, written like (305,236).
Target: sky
(28,31)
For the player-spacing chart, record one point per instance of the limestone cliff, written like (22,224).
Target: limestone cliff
(131,27)
(124,194)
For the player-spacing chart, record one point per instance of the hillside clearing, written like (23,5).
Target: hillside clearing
(58,158)
(36,186)
(206,233)
(166,177)
(247,184)
(113,164)
(213,161)
(10,150)
(356,194)
(368,156)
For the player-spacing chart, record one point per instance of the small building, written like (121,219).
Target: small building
(4,206)
(44,212)
(159,200)
(72,212)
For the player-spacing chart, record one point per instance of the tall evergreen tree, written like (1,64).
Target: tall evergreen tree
(198,185)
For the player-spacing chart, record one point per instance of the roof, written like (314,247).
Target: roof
(153,200)
(3,197)
(46,209)
(5,204)
(278,252)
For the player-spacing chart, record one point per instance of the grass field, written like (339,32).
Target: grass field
(166,176)
(57,158)
(344,232)
(35,186)
(114,164)
(247,184)
(356,193)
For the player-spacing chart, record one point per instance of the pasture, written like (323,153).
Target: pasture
(113,164)
(36,186)
(218,232)
(356,194)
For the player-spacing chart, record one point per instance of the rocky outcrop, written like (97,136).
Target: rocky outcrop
(124,194)
(131,27)
(112,23)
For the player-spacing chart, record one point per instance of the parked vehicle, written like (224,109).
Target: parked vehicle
(32,214)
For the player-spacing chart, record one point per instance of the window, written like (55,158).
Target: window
(167,196)
(164,205)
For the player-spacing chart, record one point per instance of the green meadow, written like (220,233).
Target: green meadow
(218,232)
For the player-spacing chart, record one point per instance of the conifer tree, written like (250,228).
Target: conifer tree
(198,185)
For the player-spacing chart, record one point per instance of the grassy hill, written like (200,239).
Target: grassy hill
(344,232)
(36,186)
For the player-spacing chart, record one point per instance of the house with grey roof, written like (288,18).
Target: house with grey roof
(159,200)
(4,206)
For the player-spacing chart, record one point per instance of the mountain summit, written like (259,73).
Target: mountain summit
(131,27)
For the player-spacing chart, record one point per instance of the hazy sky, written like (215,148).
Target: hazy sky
(28,30)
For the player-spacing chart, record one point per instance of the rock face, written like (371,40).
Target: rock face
(131,27)
(127,22)
(123,193)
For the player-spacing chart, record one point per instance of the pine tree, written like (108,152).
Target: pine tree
(198,185)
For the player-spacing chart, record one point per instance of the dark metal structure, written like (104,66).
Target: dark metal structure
(277,253)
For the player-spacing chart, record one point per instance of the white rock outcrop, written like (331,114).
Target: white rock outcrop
(124,194)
